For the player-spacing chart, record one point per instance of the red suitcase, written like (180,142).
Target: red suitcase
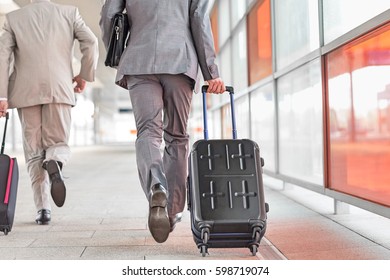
(9,177)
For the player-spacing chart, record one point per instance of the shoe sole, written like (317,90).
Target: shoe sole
(58,190)
(159,225)
(158,199)
(42,223)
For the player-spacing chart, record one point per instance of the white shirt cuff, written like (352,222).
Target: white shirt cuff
(3,98)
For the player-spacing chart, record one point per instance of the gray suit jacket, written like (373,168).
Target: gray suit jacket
(41,36)
(167,37)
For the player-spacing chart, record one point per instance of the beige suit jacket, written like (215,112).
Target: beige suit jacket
(41,36)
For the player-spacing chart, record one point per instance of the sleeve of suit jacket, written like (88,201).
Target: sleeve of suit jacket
(7,45)
(203,38)
(109,9)
(88,47)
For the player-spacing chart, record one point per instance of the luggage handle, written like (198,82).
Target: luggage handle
(5,131)
(205,126)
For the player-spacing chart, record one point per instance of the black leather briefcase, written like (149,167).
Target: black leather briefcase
(118,39)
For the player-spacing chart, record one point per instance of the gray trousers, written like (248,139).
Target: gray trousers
(45,131)
(161,106)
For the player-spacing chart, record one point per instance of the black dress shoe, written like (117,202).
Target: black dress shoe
(43,217)
(158,221)
(174,220)
(58,190)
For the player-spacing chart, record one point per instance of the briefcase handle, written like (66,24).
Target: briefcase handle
(229,89)
(5,132)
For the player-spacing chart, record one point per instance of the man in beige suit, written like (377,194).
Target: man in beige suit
(41,37)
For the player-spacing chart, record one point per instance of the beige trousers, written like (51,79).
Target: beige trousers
(46,130)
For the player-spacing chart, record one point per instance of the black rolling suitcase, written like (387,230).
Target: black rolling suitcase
(225,191)
(9,177)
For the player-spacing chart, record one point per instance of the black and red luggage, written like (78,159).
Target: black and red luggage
(225,191)
(9,177)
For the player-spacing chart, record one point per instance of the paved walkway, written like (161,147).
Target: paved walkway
(105,218)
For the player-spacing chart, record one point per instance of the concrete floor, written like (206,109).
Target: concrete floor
(105,218)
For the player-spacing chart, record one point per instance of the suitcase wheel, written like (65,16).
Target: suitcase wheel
(257,237)
(205,234)
(203,250)
(253,249)
(5,231)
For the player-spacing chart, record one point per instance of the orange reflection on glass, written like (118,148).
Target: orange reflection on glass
(259,41)
(359,117)
(214,26)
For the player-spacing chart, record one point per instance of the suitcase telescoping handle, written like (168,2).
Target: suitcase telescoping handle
(205,126)
(5,131)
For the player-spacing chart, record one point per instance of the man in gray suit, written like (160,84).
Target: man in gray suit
(169,41)
(41,37)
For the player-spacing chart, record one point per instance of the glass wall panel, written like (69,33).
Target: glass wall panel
(238,11)
(224,21)
(242,117)
(342,16)
(259,41)
(225,71)
(217,125)
(359,117)
(226,122)
(263,119)
(301,123)
(296,30)
(240,58)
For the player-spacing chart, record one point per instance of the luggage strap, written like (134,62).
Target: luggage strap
(9,181)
